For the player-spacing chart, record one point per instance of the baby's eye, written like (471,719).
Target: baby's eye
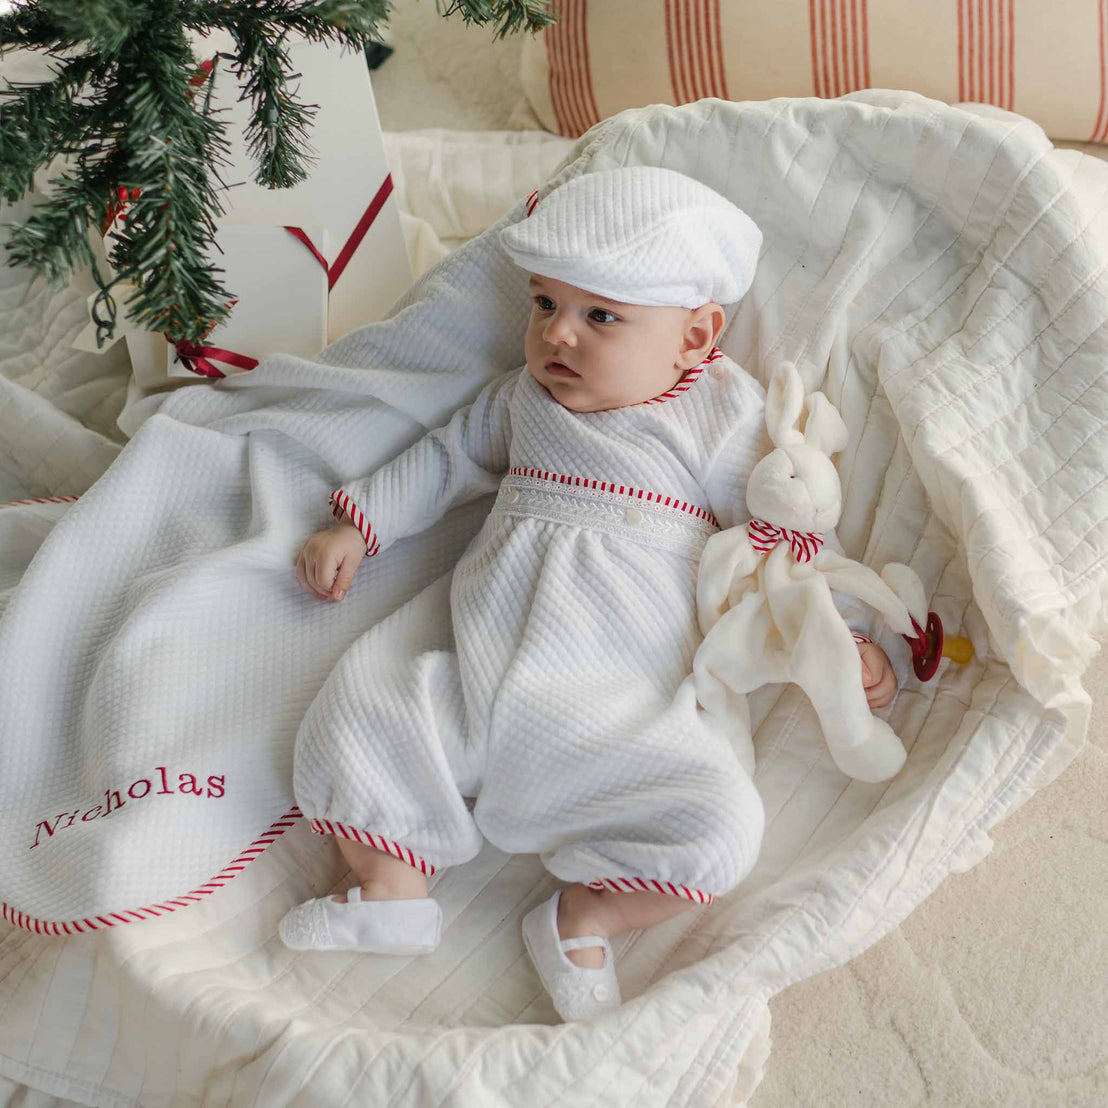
(543,303)
(611,318)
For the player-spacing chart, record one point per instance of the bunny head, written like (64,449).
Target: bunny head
(796,485)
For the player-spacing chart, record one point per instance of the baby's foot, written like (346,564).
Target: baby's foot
(578,992)
(589,957)
(372,926)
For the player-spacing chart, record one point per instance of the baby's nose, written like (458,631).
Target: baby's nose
(559,330)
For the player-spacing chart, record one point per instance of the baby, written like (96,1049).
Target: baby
(564,699)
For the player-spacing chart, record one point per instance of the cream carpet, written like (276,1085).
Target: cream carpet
(995,991)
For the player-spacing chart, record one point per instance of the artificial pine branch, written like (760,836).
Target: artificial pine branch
(124,108)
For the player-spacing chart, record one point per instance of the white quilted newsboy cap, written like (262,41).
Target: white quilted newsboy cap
(640,235)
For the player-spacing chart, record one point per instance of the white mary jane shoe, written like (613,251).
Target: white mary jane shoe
(578,992)
(369,926)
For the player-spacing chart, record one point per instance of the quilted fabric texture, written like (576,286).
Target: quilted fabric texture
(943,274)
(569,710)
(640,235)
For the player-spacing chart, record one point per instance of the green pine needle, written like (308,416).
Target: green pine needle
(124,111)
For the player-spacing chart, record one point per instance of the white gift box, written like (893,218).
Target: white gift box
(349,187)
(284,308)
(345,207)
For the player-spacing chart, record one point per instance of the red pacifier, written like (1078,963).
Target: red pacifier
(929,647)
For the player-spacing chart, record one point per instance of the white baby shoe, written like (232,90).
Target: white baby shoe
(369,926)
(577,992)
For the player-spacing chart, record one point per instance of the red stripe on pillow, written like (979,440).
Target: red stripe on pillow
(839,39)
(555,76)
(592,115)
(1096,135)
(557,48)
(570,75)
(1011,56)
(865,45)
(824,69)
(986,52)
(673,56)
(694,44)
(817,83)
(704,40)
(982,47)
(996,55)
(961,52)
(573,69)
(718,32)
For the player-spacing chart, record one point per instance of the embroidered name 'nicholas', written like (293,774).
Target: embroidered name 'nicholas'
(187,783)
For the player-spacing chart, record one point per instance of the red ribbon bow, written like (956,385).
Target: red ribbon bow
(764,537)
(199,359)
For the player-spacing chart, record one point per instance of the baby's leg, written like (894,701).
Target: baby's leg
(382,876)
(585,911)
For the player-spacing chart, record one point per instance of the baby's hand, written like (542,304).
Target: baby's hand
(326,562)
(878,677)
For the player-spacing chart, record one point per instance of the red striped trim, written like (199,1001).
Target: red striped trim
(689,379)
(367,838)
(340,502)
(839,38)
(639,884)
(98,923)
(532,200)
(610,486)
(986,52)
(860,638)
(40,500)
(570,78)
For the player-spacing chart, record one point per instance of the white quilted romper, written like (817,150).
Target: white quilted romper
(561,697)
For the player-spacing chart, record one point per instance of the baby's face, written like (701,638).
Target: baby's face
(592,353)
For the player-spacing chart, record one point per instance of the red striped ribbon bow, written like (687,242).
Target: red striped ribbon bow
(764,537)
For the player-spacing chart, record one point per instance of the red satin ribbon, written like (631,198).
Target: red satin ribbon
(199,359)
(334,269)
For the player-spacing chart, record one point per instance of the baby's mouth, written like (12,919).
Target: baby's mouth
(560,370)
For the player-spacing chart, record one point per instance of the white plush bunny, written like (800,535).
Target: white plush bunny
(764,591)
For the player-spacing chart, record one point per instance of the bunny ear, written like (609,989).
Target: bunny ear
(824,428)
(784,403)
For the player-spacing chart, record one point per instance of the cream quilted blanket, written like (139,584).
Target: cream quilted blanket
(937,272)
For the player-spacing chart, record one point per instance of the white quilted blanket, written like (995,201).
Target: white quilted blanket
(941,273)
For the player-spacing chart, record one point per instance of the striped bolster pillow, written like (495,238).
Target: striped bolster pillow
(1042,60)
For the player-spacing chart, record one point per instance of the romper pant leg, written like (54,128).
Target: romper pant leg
(383,754)
(600,759)
(664,807)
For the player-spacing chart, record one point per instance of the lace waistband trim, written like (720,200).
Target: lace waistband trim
(649,518)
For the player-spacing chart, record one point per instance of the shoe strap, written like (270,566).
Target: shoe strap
(583,941)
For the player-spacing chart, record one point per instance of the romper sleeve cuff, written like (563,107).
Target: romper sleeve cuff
(859,637)
(341,505)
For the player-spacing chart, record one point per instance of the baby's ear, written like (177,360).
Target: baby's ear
(824,428)
(784,403)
